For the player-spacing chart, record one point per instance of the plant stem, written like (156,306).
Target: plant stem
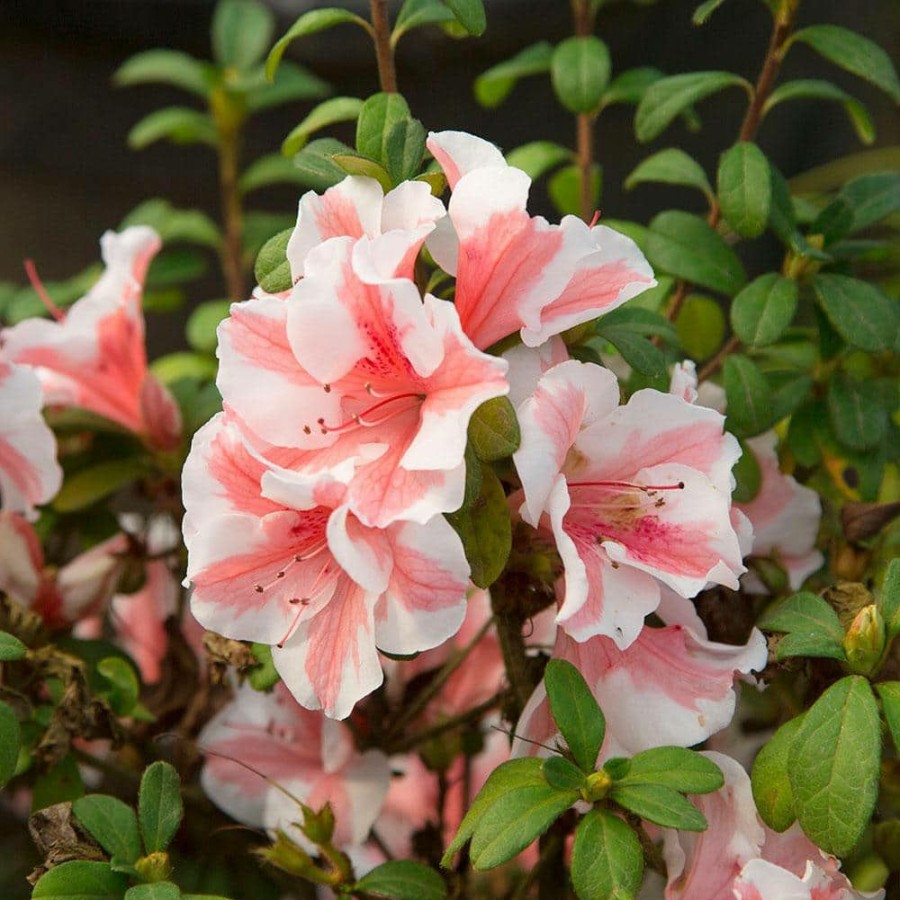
(232,214)
(718,360)
(381,33)
(584,26)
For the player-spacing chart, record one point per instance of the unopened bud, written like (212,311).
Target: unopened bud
(154,867)
(864,641)
(288,856)
(319,826)
(597,786)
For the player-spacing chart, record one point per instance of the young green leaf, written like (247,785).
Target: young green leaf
(684,245)
(377,116)
(676,768)
(493,86)
(667,97)
(658,804)
(815,89)
(9,742)
(607,860)
(561,774)
(670,166)
(81,880)
(834,764)
(748,395)
(862,315)
(890,598)
(404,149)
(580,73)
(575,711)
(494,430)
(811,624)
(770,781)
(415,13)
(853,52)
(764,309)
(745,189)
(111,823)
(469,14)
(159,890)
(329,112)
(272,269)
(538,157)
(241,33)
(11,648)
(315,163)
(167,67)
(178,124)
(857,416)
(402,879)
(705,10)
(159,806)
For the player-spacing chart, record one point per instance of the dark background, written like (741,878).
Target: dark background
(66,173)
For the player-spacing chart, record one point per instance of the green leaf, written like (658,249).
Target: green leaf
(493,86)
(670,166)
(770,780)
(684,245)
(607,860)
(745,189)
(11,648)
(357,164)
(95,483)
(178,124)
(469,14)
(292,84)
(872,198)
(538,157)
(111,823)
(562,775)
(764,309)
(337,109)
(749,398)
(811,623)
(890,598)
(485,530)
(676,768)
(175,366)
(159,806)
(263,676)
(63,782)
(122,686)
(9,742)
(705,10)
(747,475)
(564,188)
(415,13)
(175,225)
(203,322)
(580,71)
(272,269)
(167,67)
(700,326)
(853,52)
(658,804)
(315,163)
(834,765)
(160,890)
(310,23)
(630,86)
(889,691)
(377,116)
(857,416)
(494,430)
(642,355)
(402,879)
(575,711)
(81,880)
(241,32)
(667,97)
(815,89)
(404,149)
(512,774)
(521,815)
(862,314)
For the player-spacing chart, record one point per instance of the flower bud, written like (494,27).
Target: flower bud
(319,826)
(597,786)
(284,854)
(864,641)
(154,867)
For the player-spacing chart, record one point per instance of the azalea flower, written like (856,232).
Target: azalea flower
(93,357)
(515,272)
(29,472)
(635,495)
(280,558)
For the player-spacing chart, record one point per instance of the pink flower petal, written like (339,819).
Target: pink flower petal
(458,153)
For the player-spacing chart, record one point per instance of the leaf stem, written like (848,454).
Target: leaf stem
(384,53)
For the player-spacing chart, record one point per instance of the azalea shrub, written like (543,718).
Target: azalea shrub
(468,554)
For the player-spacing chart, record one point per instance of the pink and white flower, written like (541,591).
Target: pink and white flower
(280,558)
(635,495)
(515,272)
(29,472)
(94,357)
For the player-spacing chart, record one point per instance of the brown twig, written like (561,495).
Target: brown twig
(384,54)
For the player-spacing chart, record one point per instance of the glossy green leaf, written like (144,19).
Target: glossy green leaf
(890,598)
(666,98)
(404,149)
(562,774)
(580,71)
(538,157)
(80,880)
(494,430)
(178,124)
(159,890)
(166,67)
(745,189)
(485,530)
(575,711)
(312,22)
(9,742)
(415,13)
(241,32)
(658,804)
(815,89)
(402,879)
(493,86)
(329,112)
(670,166)
(159,806)
(676,768)
(860,312)
(512,774)
(857,416)
(700,326)
(607,860)
(11,648)
(564,188)
(377,116)
(770,781)
(853,52)
(748,396)
(705,10)
(834,765)
(95,483)
(111,823)
(469,14)
(272,269)
(764,309)
(315,162)
(684,245)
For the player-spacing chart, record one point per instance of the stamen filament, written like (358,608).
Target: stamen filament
(41,291)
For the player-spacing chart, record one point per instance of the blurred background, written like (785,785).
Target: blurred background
(67,174)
